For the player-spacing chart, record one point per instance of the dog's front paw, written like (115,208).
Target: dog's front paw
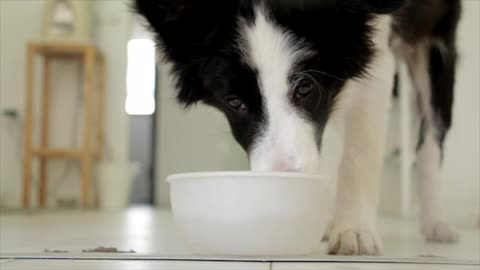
(353,242)
(439,231)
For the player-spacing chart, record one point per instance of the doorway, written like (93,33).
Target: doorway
(140,106)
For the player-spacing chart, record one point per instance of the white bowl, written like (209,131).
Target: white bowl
(250,213)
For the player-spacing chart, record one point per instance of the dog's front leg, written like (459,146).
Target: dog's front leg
(354,225)
(353,230)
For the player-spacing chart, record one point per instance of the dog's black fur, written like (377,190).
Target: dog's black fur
(201,43)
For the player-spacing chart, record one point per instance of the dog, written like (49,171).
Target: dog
(283,71)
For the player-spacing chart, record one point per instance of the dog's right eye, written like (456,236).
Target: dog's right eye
(236,104)
(302,91)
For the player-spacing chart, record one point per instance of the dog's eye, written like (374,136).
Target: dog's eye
(235,103)
(303,90)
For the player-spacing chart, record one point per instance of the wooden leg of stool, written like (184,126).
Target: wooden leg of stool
(101,100)
(44,133)
(99,113)
(86,174)
(89,62)
(27,132)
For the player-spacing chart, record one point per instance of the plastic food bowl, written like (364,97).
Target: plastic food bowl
(250,213)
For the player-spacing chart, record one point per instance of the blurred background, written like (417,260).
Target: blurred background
(147,136)
(143,125)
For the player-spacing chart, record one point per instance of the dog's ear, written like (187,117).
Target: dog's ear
(374,6)
(187,32)
(184,28)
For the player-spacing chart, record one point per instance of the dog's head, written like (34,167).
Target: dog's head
(275,68)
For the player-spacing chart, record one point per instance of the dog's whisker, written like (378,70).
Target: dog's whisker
(324,73)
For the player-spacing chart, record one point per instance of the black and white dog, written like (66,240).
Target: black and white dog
(283,70)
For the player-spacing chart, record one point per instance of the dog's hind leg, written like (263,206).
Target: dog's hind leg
(427,31)
(432,69)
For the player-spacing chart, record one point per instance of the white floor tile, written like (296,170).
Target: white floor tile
(402,238)
(369,266)
(143,230)
(129,265)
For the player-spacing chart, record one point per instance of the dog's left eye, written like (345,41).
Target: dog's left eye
(303,90)
(236,104)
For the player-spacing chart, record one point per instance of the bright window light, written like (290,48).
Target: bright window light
(140,77)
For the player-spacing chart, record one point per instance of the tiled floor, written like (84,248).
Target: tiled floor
(152,233)
(128,265)
(159,265)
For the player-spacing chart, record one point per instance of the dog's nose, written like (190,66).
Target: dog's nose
(285,165)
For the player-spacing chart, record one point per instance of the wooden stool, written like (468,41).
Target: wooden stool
(90,56)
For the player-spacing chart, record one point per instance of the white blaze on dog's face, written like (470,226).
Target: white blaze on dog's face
(286,141)
(276,69)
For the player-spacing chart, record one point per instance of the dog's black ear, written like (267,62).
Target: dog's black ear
(185,28)
(374,6)
(187,32)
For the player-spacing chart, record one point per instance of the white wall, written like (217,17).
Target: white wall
(111,34)
(461,171)
(20,22)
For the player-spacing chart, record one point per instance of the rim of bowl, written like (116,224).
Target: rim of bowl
(286,175)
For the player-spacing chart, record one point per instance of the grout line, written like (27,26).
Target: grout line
(5,261)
